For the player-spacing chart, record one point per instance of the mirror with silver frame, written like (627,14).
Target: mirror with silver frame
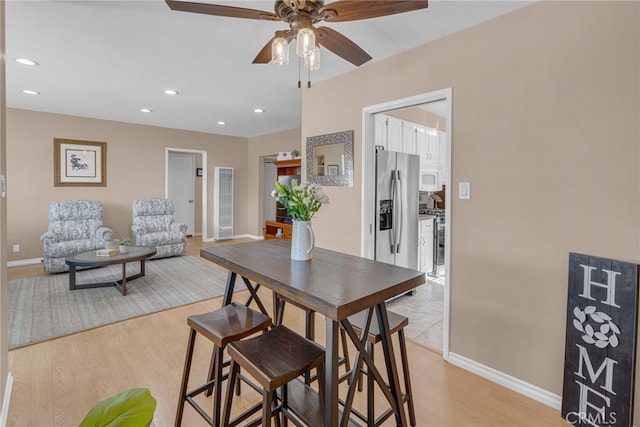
(330,159)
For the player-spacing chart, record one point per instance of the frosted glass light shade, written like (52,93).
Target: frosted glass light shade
(280,51)
(305,42)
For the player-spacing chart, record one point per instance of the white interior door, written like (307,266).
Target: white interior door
(181,188)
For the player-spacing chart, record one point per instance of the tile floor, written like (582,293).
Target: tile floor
(425,310)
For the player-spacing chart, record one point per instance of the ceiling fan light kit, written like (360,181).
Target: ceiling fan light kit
(302,15)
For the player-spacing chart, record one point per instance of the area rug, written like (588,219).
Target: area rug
(43,307)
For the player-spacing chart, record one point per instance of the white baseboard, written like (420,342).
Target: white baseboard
(252,236)
(237,236)
(21,262)
(32,261)
(6,401)
(515,384)
(241,236)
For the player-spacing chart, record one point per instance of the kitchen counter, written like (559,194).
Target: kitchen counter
(424,217)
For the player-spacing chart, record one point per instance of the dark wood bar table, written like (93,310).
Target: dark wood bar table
(335,285)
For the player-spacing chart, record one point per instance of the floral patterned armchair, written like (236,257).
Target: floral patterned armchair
(153,225)
(74,226)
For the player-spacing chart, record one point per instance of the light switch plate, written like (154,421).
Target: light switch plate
(464,190)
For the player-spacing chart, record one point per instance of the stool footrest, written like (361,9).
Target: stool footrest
(246,414)
(199,409)
(304,402)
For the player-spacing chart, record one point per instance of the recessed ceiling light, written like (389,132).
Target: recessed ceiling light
(30,92)
(171,92)
(222,122)
(25,61)
(146,110)
(258,110)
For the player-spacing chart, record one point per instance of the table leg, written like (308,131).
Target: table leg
(331,375)
(119,284)
(72,277)
(254,295)
(124,279)
(142,264)
(390,361)
(228,289)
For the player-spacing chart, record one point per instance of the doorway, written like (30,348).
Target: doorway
(200,200)
(181,189)
(443,99)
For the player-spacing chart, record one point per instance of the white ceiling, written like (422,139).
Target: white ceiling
(108,59)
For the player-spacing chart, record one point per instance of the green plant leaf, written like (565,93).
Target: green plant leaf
(131,408)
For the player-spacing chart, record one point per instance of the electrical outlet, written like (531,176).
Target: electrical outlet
(16,247)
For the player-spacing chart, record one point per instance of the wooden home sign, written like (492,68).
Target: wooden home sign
(599,361)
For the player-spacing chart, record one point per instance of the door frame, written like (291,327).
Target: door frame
(367,244)
(203,153)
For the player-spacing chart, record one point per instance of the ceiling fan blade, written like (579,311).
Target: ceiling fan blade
(341,46)
(264,56)
(220,10)
(353,10)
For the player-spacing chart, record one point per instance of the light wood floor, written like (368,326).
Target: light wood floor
(58,381)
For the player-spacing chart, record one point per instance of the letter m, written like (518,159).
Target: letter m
(606,366)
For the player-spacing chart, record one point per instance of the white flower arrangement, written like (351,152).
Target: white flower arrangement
(302,201)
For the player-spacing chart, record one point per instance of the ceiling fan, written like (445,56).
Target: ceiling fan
(302,15)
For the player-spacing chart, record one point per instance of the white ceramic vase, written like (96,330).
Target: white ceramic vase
(124,249)
(302,241)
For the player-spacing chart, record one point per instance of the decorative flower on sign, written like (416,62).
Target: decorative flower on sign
(301,201)
(607,331)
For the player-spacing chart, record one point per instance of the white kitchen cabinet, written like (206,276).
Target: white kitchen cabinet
(380,130)
(394,135)
(428,145)
(409,138)
(388,133)
(425,245)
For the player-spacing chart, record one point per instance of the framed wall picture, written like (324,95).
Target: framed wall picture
(79,163)
(333,170)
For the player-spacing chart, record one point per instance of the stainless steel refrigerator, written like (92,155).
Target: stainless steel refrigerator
(397,190)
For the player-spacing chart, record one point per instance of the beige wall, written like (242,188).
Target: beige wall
(260,147)
(545,127)
(135,169)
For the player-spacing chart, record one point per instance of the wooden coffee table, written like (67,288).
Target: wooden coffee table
(89,259)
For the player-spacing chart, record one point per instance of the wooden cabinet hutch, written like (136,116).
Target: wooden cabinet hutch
(284,168)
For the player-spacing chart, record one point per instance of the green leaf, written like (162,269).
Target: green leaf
(131,408)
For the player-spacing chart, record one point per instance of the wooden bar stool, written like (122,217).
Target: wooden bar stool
(273,359)
(397,323)
(230,323)
(279,302)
